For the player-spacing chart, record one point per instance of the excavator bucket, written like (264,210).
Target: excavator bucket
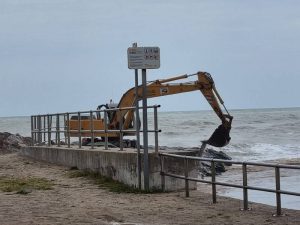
(220,137)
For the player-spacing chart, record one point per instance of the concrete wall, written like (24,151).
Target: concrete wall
(119,165)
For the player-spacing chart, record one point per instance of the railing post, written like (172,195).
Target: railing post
(79,130)
(213,180)
(49,130)
(32,130)
(105,129)
(278,196)
(162,173)
(35,129)
(38,129)
(245,189)
(155,130)
(65,126)
(186,175)
(121,130)
(58,130)
(40,135)
(68,129)
(44,128)
(92,129)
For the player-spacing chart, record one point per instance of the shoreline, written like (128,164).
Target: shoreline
(79,201)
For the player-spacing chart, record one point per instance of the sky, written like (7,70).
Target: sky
(71,55)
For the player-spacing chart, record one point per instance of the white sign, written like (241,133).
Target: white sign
(143,57)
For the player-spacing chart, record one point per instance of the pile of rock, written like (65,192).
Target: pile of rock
(204,167)
(12,142)
(220,167)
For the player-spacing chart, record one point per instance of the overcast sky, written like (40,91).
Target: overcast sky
(70,55)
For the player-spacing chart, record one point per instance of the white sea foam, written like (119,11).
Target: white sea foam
(263,151)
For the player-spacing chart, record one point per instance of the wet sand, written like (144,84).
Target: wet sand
(79,201)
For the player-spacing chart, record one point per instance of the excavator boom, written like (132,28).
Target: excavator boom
(163,87)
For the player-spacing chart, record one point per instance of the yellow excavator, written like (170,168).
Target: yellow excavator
(157,88)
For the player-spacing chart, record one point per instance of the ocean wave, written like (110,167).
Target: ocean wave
(208,123)
(193,123)
(289,125)
(293,116)
(263,151)
(171,133)
(245,127)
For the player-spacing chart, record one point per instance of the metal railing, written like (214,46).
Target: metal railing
(54,129)
(278,192)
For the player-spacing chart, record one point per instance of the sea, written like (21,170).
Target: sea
(257,135)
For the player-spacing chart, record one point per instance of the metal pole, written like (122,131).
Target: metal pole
(121,130)
(79,130)
(68,129)
(58,130)
(44,128)
(137,125)
(213,180)
(278,197)
(40,130)
(55,128)
(35,129)
(145,131)
(32,131)
(186,174)
(105,129)
(51,127)
(156,130)
(92,129)
(49,130)
(65,126)
(245,184)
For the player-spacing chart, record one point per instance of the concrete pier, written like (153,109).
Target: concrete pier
(119,165)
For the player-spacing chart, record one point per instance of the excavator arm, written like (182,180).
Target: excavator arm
(164,87)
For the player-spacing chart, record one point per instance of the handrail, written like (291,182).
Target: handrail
(232,161)
(44,125)
(94,111)
(213,181)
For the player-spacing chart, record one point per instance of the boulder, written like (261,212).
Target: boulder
(220,167)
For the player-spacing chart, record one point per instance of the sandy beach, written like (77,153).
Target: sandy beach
(79,201)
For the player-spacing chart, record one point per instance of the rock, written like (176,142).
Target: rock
(211,153)
(205,167)
(12,142)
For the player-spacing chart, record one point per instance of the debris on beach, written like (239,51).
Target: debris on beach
(12,142)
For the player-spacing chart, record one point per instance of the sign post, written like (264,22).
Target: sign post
(137,125)
(144,58)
